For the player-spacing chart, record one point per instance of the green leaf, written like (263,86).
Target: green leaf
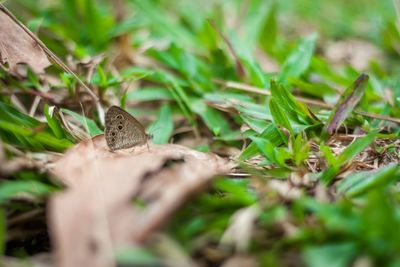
(211,117)
(315,89)
(163,127)
(276,155)
(269,33)
(226,97)
(164,25)
(11,114)
(136,73)
(178,93)
(208,36)
(328,154)
(355,148)
(255,74)
(300,149)
(90,126)
(297,112)
(53,122)
(332,255)
(27,132)
(347,155)
(237,190)
(347,102)
(266,148)
(37,140)
(255,124)
(359,183)
(279,116)
(257,12)
(254,110)
(150,94)
(272,133)
(299,60)
(10,189)
(136,256)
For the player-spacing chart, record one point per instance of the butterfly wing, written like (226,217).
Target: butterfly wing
(123,130)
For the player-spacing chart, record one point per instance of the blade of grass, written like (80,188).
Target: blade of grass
(240,71)
(279,116)
(360,183)
(11,114)
(150,94)
(272,133)
(212,118)
(29,136)
(355,148)
(297,112)
(163,127)
(346,156)
(90,126)
(347,102)
(299,60)
(10,189)
(53,122)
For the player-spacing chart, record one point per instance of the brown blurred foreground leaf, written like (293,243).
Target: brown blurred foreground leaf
(17,46)
(99,212)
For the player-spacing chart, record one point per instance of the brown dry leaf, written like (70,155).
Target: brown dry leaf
(97,213)
(17,46)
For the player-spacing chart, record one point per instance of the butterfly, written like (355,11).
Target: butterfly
(123,130)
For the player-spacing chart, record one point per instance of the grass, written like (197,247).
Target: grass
(172,63)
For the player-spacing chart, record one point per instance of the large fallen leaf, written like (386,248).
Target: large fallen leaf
(17,45)
(121,198)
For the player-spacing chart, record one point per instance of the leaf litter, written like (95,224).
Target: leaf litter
(17,47)
(120,199)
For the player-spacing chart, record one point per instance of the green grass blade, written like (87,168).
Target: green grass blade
(272,133)
(279,116)
(150,94)
(355,148)
(10,189)
(347,102)
(163,127)
(54,123)
(11,114)
(90,126)
(299,60)
(212,118)
(360,183)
